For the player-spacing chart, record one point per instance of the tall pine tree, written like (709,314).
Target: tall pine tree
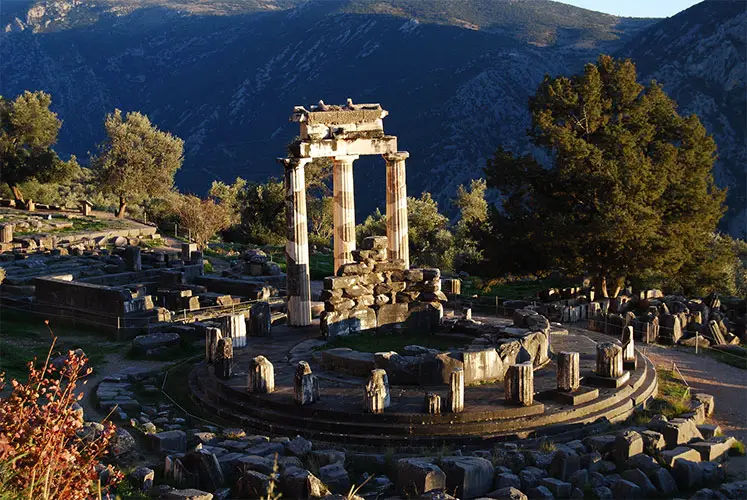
(629,191)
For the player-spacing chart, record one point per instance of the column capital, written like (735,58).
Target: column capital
(346,158)
(293,162)
(398,156)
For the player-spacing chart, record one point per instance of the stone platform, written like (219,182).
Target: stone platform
(339,418)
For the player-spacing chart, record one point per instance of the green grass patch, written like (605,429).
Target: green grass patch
(320,265)
(397,343)
(673,397)
(79,226)
(26,336)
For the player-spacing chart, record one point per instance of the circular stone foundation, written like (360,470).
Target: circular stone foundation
(339,417)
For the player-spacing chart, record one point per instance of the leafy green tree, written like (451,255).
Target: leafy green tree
(203,218)
(263,212)
(28,130)
(472,225)
(137,160)
(431,241)
(629,191)
(321,219)
(229,195)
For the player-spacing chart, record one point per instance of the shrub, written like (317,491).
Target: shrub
(42,447)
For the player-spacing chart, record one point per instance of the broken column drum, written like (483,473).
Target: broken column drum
(376,396)
(297,245)
(132,259)
(628,345)
(6,233)
(261,378)
(609,360)
(212,335)
(342,133)
(568,371)
(519,384)
(432,403)
(233,326)
(223,361)
(305,385)
(456,391)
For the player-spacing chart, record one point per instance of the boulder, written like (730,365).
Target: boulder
(419,476)
(169,441)
(144,343)
(509,493)
(468,477)
(188,494)
(335,477)
(300,483)
(664,482)
(637,477)
(625,490)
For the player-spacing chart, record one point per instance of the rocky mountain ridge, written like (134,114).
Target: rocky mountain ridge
(455,79)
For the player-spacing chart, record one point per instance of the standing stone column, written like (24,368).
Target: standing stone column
(568,371)
(223,362)
(344,209)
(233,326)
(377,392)
(187,249)
(396,206)
(297,246)
(261,378)
(212,336)
(305,385)
(609,360)
(6,233)
(456,391)
(260,320)
(519,384)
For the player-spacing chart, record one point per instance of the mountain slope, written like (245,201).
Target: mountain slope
(225,74)
(700,57)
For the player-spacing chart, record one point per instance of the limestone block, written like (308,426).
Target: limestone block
(680,431)
(653,441)
(708,400)
(402,370)
(483,366)
(625,490)
(187,250)
(391,317)
(260,320)
(671,457)
(538,347)
(212,335)
(417,476)
(223,361)
(432,404)
(568,375)
(559,489)
(335,477)
(261,378)
(519,384)
(627,445)
(362,321)
(715,449)
(6,233)
(375,243)
(664,482)
(169,441)
(609,360)
(424,316)
(467,477)
(564,464)
(233,326)
(300,483)
(305,385)
(376,397)
(456,391)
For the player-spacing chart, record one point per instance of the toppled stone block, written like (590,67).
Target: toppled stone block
(627,445)
(144,343)
(417,476)
(671,457)
(715,449)
(468,477)
(335,477)
(680,431)
(625,490)
(300,483)
(169,441)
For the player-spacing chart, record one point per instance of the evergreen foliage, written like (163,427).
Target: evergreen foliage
(28,130)
(629,192)
(137,160)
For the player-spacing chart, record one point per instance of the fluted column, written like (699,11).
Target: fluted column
(396,206)
(344,209)
(297,246)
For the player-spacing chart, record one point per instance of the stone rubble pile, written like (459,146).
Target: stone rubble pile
(679,457)
(374,294)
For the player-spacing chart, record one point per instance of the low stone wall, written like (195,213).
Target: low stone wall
(85,296)
(250,289)
(373,294)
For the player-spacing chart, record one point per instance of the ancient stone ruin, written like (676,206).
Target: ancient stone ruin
(342,133)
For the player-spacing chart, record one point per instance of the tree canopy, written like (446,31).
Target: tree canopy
(629,191)
(137,160)
(28,130)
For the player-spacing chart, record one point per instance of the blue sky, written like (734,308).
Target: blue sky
(635,8)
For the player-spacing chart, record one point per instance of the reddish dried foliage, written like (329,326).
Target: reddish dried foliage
(39,441)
